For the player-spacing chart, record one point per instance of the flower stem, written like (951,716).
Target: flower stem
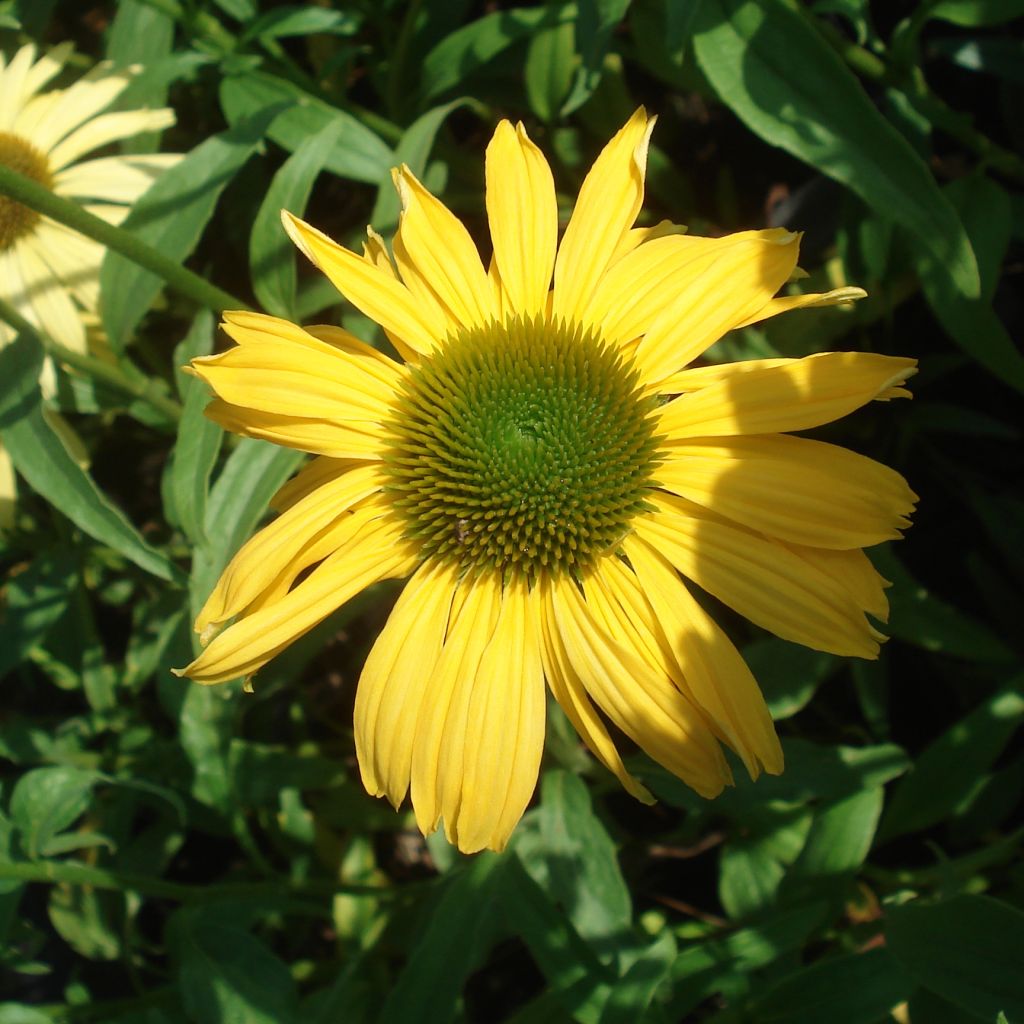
(69,872)
(141,387)
(30,193)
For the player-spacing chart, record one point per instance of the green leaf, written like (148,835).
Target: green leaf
(858,988)
(632,996)
(752,868)
(357,153)
(945,774)
(206,721)
(229,977)
(966,949)
(788,674)
(975,13)
(199,438)
(595,27)
(271,253)
(840,836)
(282,22)
(576,865)
(171,217)
(457,936)
(33,601)
(769,65)
(464,51)
(920,618)
(41,458)
(45,801)
(549,69)
(413,149)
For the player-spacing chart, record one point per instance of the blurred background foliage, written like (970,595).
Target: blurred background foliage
(174,853)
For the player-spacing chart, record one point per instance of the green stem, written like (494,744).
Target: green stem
(937,111)
(68,872)
(30,193)
(144,388)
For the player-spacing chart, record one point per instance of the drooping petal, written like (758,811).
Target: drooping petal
(761,579)
(440,742)
(724,292)
(397,679)
(794,396)
(810,300)
(717,677)
(73,258)
(523,217)
(439,245)
(501,712)
(609,201)
(38,294)
(568,689)
(641,702)
(368,287)
(375,551)
(263,556)
(797,490)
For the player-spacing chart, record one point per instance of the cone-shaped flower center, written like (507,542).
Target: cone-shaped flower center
(523,446)
(17,220)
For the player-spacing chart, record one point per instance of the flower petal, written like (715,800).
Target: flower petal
(397,679)
(440,741)
(795,396)
(368,287)
(39,295)
(798,490)
(609,201)
(100,131)
(523,216)
(763,580)
(810,300)
(717,678)
(640,701)
(81,102)
(713,295)
(443,253)
(114,179)
(264,555)
(375,551)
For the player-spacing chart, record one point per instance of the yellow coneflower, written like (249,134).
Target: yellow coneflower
(554,482)
(48,272)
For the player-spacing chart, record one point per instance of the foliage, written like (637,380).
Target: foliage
(170,852)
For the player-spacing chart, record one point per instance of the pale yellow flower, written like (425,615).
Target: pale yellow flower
(555,481)
(48,272)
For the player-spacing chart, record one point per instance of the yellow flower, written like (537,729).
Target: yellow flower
(547,472)
(48,272)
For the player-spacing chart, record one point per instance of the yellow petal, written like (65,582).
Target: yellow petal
(420,287)
(713,296)
(640,236)
(266,554)
(443,252)
(440,743)
(397,679)
(761,579)
(81,102)
(694,378)
(717,678)
(311,476)
(356,440)
(855,574)
(641,702)
(523,217)
(609,201)
(377,551)
(797,490)
(811,300)
(794,396)
(98,131)
(368,287)
(487,790)
(571,694)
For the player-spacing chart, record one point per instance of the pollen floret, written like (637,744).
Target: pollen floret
(521,446)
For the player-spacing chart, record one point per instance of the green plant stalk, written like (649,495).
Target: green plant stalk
(144,388)
(937,111)
(183,281)
(68,872)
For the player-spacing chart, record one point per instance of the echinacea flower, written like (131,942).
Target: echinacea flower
(48,272)
(555,482)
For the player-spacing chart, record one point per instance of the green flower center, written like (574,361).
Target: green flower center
(20,155)
(523,447)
